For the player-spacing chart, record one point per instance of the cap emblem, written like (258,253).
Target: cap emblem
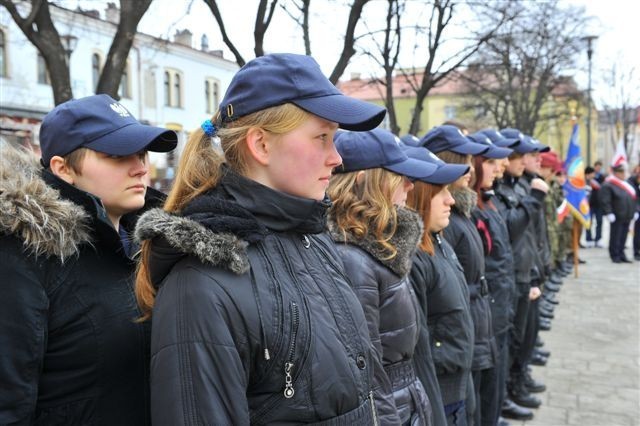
(120,110)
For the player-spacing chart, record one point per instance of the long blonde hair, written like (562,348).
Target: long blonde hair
(199,170)
(363,206)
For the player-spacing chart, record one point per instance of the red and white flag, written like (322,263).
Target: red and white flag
(620,157)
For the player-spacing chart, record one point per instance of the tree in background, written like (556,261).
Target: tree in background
(40,30)
(519,68)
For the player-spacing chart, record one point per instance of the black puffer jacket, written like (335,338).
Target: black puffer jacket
(72,353)
(466,242)
(498,263)
(391,308)
(540,233)
(442,292)
(254,320)
(614,199)
(518,210)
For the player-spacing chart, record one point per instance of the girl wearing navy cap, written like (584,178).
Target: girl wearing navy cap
(377,237)
(439,283)
(253,318)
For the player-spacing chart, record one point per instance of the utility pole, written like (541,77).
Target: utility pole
(589,40)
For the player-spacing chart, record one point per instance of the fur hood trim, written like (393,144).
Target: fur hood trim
(406,238)
(33,211)
(187,236)
(466,200)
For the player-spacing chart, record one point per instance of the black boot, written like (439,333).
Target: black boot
(511,410)
(521,396)
(537,359)
(545,324)
(532,385)
(545,353)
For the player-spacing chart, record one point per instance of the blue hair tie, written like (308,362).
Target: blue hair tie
(209,128)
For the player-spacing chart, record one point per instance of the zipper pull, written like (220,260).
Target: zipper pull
(374,412)
(288,384)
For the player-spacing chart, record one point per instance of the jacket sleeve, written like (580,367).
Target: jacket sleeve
(197,373)
(23,334)
(518,216)
(605,198)
(364,281)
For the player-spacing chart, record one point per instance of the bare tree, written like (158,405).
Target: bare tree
(521,67)
(40,30)
(302,21)
(620,106)
(348,47)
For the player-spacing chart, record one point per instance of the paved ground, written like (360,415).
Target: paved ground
(593,374)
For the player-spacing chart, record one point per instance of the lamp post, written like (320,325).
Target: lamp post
(589,40)
(69,42)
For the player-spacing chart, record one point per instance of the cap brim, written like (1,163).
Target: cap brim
(524,148)
(413,169)
(470,148)
(349,113)
(507,143)
(447,173)
(497,152)
(543,148)
(135,138)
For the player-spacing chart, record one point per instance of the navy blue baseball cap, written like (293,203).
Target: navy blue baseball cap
(493,151)
(540,147)
(410,140)
(498,139)
(525,146)
(102,124)
(445,173)
(450,138)
(378,148)
(280,78)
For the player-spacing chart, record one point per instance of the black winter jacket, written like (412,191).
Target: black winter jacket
(443,294)
(616,200)
(540,233)
(72,353)
(465,240)
(498,263)
(254,320)
(518,210)
(391,308)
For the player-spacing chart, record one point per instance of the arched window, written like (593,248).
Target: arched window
(96,67)
(177,101)
(124,89)
(211,87)
(3,54)
(167,88)
(207,95)
(43,73)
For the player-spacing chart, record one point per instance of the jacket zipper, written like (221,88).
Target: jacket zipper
(440,245)
(288,366)
(374,413)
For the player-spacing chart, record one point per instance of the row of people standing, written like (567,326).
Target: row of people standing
(250,311)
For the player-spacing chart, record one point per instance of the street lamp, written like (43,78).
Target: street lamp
(69,43)
(589,40)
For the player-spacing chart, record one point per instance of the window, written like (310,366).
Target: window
(211,93)
(450,112)
(125,91)
(173,88)
(43,73)
(3,54)
(96,69)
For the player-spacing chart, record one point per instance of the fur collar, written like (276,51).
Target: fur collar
(187,236)
(34,212)
(466,200)
(405,240)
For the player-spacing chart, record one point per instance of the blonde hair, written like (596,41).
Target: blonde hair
(363,206)
(199,171)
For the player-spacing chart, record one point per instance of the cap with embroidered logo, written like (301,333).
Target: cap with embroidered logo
(102,124)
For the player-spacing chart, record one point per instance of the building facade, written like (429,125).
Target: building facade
(166,83)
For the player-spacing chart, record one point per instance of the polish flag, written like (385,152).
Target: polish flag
(562,210)
(620,157)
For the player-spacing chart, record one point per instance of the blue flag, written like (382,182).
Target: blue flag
(574,187)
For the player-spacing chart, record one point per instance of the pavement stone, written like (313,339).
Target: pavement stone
(593,374)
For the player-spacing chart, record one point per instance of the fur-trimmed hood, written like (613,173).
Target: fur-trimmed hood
(466,200)
(406,238)
(176,236)
(34,212)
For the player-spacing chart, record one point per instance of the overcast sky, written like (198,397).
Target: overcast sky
(616,22)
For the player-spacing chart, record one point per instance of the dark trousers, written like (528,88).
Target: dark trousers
(486,390)
(531,333)
(596,216)
(636,237)
(617,238)
(456,414)
(495,391)
(520,318)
